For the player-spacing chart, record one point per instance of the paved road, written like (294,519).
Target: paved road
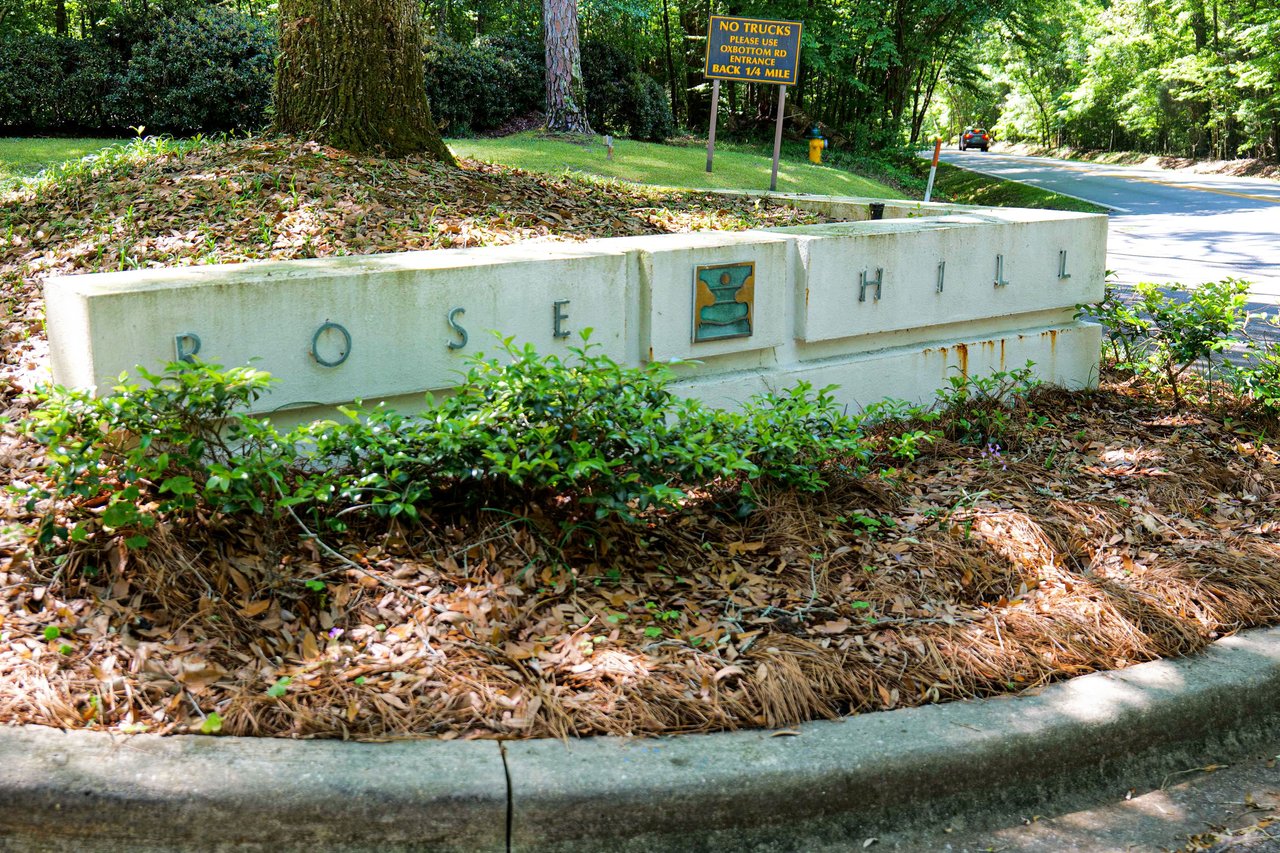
(1166,226)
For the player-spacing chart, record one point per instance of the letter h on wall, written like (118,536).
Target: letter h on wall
(864,282)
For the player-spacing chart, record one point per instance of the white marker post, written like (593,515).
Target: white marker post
(933,169)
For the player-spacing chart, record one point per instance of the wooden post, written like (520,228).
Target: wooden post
(715,111)
(777,136)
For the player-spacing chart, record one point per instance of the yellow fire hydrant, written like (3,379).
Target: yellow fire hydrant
(816,143)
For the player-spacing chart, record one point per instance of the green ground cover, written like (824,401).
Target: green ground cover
(21,158)
(668,165)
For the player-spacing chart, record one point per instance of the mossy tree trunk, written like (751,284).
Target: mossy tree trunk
(566,91)
(350,75)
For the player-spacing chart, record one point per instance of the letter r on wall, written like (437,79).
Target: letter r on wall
(186,345)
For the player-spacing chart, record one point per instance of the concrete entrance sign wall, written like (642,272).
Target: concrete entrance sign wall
(880,308)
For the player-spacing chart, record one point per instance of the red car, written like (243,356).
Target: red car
(975,137)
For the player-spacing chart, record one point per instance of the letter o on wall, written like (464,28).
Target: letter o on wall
(322,338)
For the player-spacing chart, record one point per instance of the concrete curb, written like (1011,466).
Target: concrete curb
(833,784)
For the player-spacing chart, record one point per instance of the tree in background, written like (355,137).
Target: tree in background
(1192,78)
(350,75)
(1185,77)
(566,92)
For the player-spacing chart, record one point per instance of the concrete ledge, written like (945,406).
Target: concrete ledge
(833,784)
(769,303)
(78,791)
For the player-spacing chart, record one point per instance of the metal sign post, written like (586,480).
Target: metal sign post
(777,137)
(753,50)
(715,112)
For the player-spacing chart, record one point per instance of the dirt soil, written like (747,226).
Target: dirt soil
(1110,529)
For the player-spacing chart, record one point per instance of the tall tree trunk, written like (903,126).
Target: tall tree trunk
(350,75)
(60,18)
(566,92)
(677,106)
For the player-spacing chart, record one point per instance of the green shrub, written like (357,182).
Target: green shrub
(791,438)
(621,98)
(1168,329)
(1125,329)
(481,86)
(1259,379)
(533,428)
(979,410)
(164,449)
(50,84)
(205,71)
(649,109)
(582,432)
(208,72)
(976,410)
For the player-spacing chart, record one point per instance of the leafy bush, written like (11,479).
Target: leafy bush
(1169,328)
(979,410)
(587,430)
(975,410)
(207,72)
(55,84)
(143,452)
(1125,329)
(479,87)
(580,432)
(1259,379)
(621,98)
(649,110)
(791,437)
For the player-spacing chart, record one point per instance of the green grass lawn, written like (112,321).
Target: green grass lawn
(667,165)
(736,167)
(21,158)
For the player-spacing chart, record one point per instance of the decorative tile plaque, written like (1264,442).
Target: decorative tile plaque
(723,301)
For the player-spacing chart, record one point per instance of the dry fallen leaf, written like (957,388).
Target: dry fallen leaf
(254,608)
(744,547)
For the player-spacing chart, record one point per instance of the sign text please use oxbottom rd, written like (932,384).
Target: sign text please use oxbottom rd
(754,50)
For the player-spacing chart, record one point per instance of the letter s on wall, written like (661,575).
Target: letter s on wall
(461,332)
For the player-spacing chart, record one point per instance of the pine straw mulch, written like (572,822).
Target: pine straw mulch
(1121,532)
